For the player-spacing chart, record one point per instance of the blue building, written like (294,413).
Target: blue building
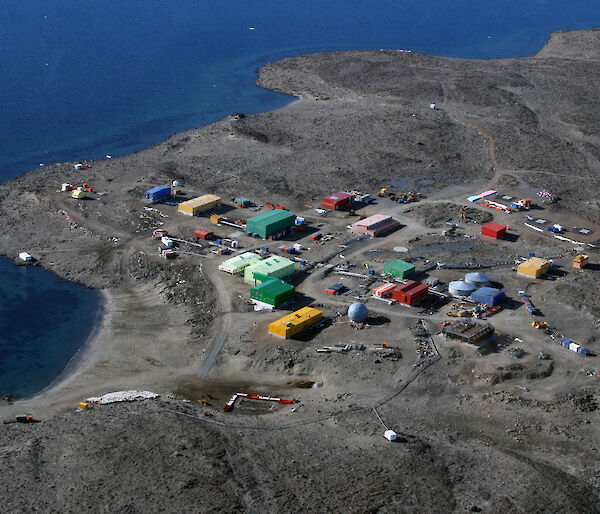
(158,193)
(488,295)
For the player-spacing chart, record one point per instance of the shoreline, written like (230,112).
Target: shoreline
(81,361)
(301,98)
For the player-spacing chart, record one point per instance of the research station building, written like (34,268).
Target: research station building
(376,225)
(410,293)
(237,264)
(197,206)
(272,291)
(399,269)
(534,267)
(271,225)
(337,201)
(275,266)
(295,322)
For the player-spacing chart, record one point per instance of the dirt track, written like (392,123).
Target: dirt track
(486,433)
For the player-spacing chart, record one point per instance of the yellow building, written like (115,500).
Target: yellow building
(200,204)
(79,195)
(534,267)
(295,322)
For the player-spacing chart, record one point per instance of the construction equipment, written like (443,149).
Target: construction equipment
(463,313)
(382,192)
(540,325)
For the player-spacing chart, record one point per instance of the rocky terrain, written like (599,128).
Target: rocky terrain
(477,433)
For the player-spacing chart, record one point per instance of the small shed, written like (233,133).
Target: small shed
(24,256)
(399,269)
(78,194)
(337,201)
(493,229)
(335,289)
(488,296)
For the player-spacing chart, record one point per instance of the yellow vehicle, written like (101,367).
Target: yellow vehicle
(382,191)
(539,324)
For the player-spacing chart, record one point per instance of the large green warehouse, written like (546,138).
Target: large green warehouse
(272,291)
(399,268)
(277,267)
(271,223)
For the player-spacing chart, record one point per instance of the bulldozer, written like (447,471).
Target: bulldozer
(540,325)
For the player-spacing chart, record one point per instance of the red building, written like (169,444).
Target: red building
(494,230)
(410,293)
(201,233)
(337,201)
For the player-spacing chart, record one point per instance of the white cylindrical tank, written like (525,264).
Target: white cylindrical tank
(478,279)
(460,288)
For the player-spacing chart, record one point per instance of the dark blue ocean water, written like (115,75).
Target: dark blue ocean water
(85,79)
(44,322)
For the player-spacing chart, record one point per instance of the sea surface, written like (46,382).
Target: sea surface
(82,80)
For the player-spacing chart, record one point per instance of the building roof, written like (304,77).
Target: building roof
(270,265)
(411,287)
(201,200)
(533,264)
(371,220)
(273,286)
(241,260)
(339,196)
(398,265)
(299,316)
(496,227)
(272,216)
(157,189)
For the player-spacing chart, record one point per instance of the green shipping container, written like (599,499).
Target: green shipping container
(399,269)
(273,291)
(269,223)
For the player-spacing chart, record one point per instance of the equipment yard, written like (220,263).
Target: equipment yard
(436,357)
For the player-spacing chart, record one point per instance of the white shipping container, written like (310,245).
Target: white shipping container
(573,347)
(167,241)
(297,247)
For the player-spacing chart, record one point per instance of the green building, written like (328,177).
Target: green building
(399,269)
(237,264)
(272,291)
(270,223)
(276,267)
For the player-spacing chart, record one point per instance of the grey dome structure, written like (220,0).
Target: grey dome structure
(478,279)
(358,312)
(460,288)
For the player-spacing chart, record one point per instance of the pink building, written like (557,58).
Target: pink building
(376,225)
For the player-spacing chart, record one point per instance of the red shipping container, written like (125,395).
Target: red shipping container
(494,230)
(410,293)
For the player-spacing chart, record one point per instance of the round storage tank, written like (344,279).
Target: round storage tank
(460,288)
(358,312)
(478,279)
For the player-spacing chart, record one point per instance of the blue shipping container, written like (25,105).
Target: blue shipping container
(583,351)
(158,193)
